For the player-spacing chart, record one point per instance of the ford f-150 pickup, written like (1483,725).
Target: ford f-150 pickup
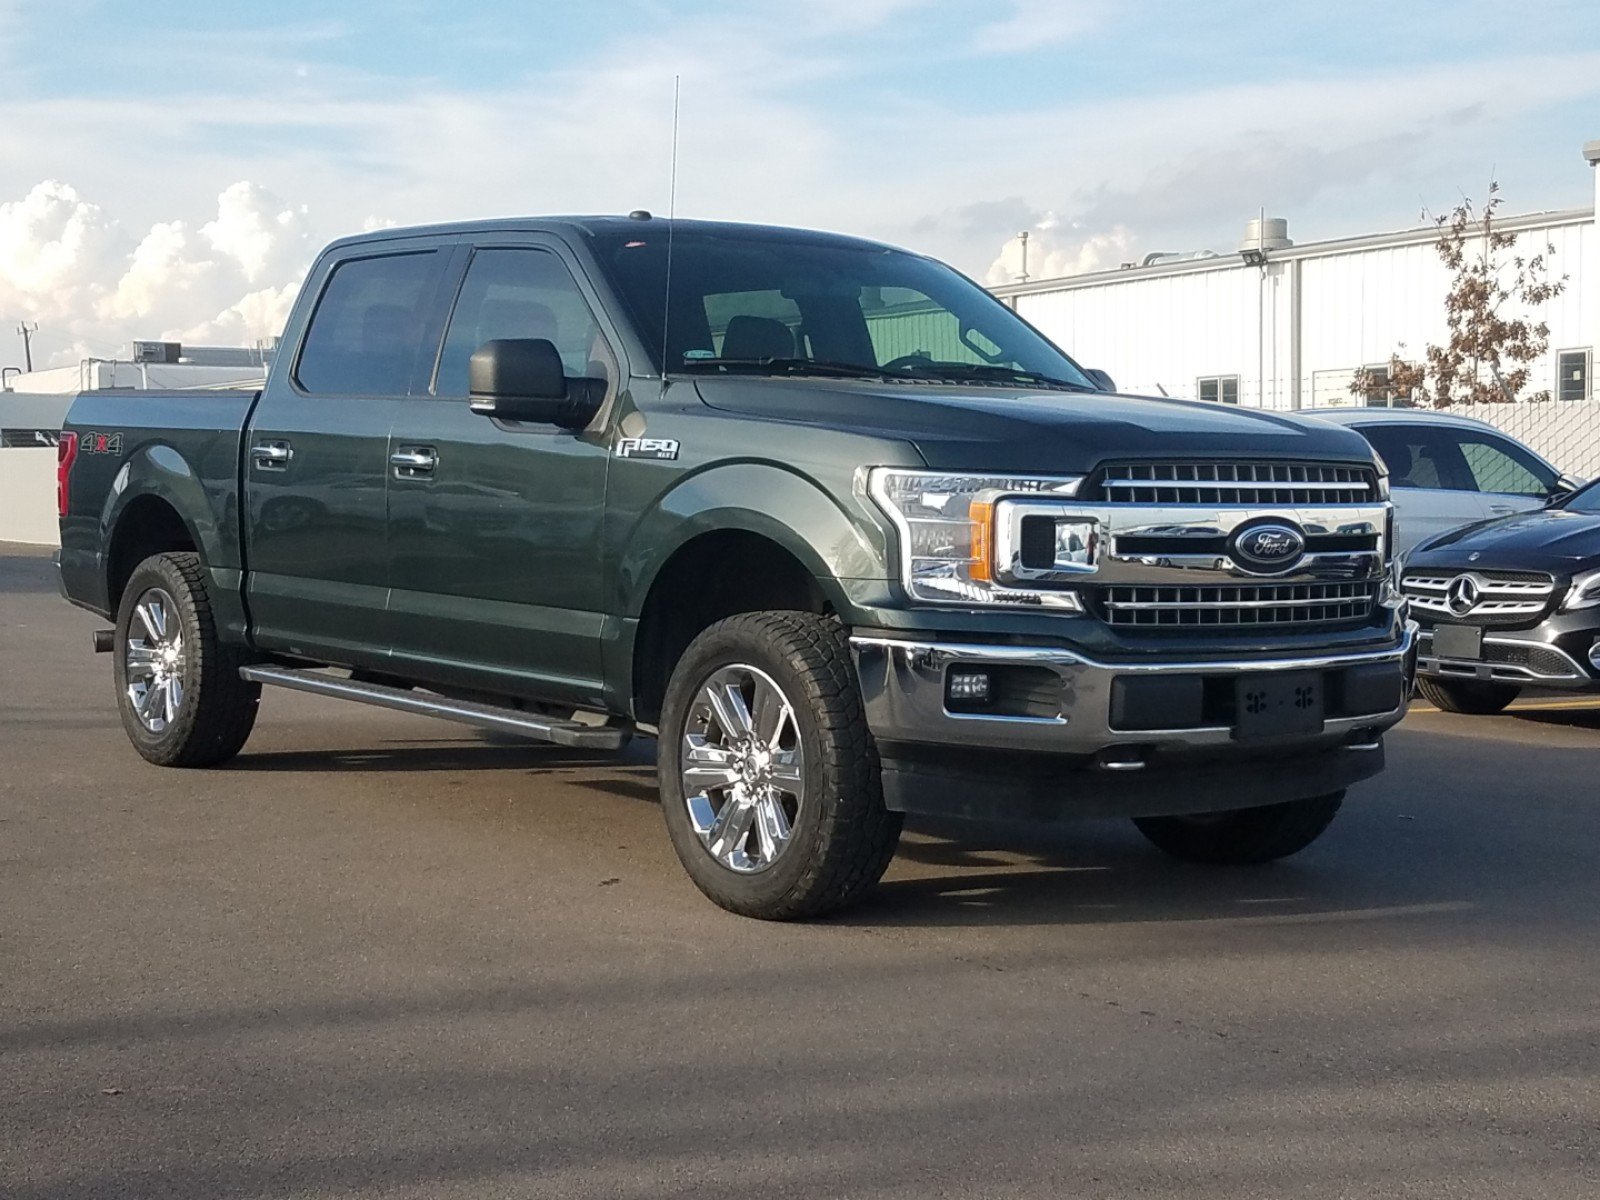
(833,524)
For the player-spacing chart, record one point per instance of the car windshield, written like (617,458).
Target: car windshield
(1585,500)
(769,303)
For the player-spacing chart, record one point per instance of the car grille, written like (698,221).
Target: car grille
(1502,595)
(1264,483)
(1236,605)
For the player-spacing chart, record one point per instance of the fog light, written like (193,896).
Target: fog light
(968,689)
(1594,655)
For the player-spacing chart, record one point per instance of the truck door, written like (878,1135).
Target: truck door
(495,525)
(316,454)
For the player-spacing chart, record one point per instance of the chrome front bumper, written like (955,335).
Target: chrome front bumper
(903,686)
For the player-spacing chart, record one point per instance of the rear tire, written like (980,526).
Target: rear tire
(1243,836)
(178,687)
(1467,695)
(769,776)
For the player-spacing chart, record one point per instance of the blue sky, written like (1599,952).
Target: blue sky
(1108,129)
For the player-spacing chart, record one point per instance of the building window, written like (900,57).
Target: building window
(1572,375)
(1222,389)
(1376,392)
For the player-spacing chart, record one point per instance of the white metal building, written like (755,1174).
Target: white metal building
(1286,326)
(161,365)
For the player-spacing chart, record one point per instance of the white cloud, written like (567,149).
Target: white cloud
(92,286)
(259,234)
(1057,248)
(1035,23)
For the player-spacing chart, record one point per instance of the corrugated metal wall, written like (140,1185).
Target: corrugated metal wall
(1161,332)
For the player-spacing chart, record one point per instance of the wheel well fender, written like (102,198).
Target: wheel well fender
(739,538)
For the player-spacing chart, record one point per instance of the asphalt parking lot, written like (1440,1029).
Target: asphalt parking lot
(381,956)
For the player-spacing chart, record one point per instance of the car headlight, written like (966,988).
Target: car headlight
(1584,592)
(946,524)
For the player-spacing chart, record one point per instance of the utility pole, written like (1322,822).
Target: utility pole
(27,331)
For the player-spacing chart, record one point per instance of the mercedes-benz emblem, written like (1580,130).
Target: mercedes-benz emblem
(1462,595)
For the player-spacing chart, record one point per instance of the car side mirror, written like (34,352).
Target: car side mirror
(1565,486)
(523,379)
(1100,379)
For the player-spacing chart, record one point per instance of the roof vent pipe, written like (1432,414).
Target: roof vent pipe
(1266,233)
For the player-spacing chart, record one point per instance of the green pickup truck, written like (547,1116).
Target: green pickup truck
(834,525)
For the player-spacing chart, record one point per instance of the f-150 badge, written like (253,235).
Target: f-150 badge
(662,448)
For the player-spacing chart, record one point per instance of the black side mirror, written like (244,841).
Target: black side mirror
(1100,379)
(522,379)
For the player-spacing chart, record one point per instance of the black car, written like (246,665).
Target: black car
(1508,604)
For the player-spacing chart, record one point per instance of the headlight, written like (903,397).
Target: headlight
(1584,592)
(946,526)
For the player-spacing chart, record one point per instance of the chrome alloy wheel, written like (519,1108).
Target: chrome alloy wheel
(743,768)
(154,661)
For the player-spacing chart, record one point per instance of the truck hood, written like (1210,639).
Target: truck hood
(1551,539)
(1017,429)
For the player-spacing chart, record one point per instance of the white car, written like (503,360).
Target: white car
(1447,471)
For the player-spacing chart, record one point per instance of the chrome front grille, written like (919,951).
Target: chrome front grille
(1494,595)
(1231,605)
(1253,483)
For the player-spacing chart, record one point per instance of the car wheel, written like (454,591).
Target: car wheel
(178,687)
(1467,695)
(1245,835)
(769,777)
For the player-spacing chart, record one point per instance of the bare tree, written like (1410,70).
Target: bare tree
(1485,359)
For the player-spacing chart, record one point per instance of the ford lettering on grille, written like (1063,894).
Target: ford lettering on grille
(1267,549)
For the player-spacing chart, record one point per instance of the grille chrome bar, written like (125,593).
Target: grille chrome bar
(1499,594)
(1148,606)
(1237,483)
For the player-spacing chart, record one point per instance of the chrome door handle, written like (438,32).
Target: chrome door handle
(411,461)
(271,456)
(1502,509)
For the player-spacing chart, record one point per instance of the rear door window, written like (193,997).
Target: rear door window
(367,328)
(1506,468)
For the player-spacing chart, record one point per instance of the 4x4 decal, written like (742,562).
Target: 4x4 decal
(100,443)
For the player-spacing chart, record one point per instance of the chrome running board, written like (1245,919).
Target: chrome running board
(427,704)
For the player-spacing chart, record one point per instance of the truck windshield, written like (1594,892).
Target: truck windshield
(768,303)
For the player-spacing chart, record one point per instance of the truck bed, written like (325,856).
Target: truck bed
(181,445)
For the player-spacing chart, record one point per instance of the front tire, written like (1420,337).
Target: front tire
(1467,695)
(769,776)
(178,687)
(1246,835)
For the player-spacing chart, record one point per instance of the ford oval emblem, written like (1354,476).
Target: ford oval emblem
(1267,549)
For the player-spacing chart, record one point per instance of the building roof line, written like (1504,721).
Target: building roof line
(1421,235)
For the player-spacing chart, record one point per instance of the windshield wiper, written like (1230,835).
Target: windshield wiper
(989,372)
(790,366)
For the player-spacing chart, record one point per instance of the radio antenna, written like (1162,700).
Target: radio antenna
(672,213)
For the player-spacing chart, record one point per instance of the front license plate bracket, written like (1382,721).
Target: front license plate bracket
(1277,705)
(1458,641)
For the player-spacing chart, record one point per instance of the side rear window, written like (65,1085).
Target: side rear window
(367,326)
